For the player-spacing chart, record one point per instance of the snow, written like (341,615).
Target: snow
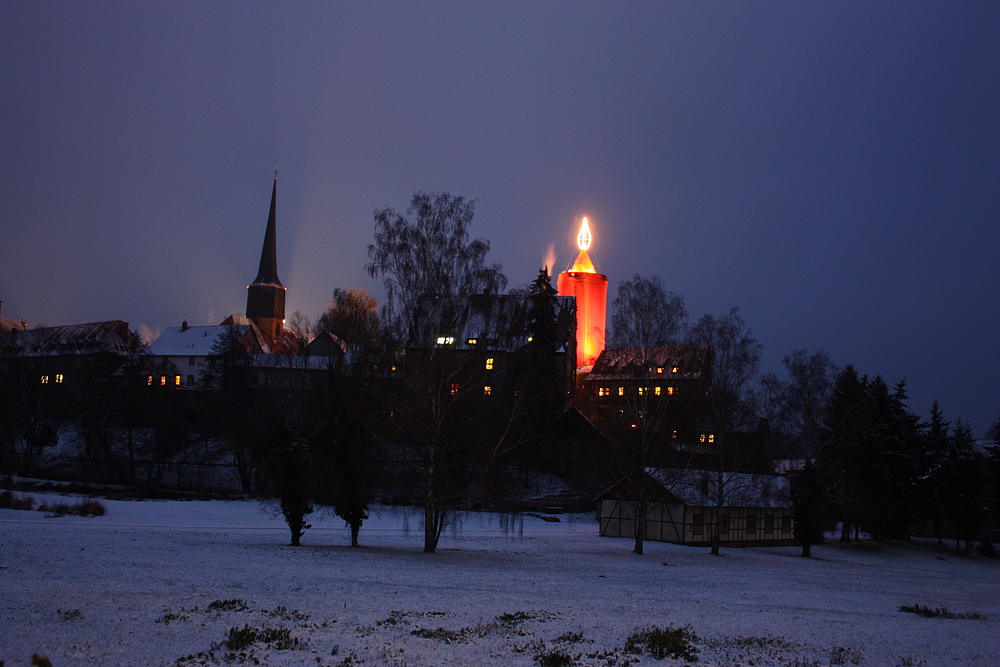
(91,590)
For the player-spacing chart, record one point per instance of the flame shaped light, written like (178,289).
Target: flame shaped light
(584,238)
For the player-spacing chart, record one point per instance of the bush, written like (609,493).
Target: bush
(553,659)
(234,604)
(278,638)
(985,548)
(9,501)
(939,612)
(663,643)
(89,507)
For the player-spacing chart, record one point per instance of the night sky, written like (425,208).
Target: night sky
(833,169)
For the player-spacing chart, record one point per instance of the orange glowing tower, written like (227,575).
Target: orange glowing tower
(591,291)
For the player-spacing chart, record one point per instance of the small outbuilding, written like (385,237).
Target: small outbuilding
(682,506)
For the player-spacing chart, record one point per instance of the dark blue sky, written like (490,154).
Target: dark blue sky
(831,168)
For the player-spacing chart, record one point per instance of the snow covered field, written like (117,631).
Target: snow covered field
(137,587)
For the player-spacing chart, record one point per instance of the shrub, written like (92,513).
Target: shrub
(83,508)
(9,501)
(234,604)
(91,507)
(168,617)
(664,642)
(570,638)
(278,638)
(442,635)
(69,614)
(985,548)
(939,612)
(515,618)
(553,659)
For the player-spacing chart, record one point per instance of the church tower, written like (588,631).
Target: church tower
(591,291)
(266,295)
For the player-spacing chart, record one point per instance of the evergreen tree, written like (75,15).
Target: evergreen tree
(808,495)
(842,454)
(963,481)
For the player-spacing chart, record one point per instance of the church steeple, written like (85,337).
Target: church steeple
(266,295)
(267,274)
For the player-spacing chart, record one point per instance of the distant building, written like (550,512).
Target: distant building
(756,509)
(671,383)
(70,353)
(181,356)
(10,325)
(266,294)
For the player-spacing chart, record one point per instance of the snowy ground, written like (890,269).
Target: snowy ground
(136,587)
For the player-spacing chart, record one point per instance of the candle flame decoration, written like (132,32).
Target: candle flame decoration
(590,289)
(583,239)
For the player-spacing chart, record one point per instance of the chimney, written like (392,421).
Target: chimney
(184,325)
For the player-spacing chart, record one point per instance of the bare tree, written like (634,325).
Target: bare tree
(431,255)
(648,322)
(436,277)
(798,405)
(732,416)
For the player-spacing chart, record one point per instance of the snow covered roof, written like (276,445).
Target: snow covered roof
(691,362)
(112,337)
(191,341)
(702,488)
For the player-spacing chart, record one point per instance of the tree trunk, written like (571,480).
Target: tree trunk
(430,519)
(355,529)
(640,526)
(806,550)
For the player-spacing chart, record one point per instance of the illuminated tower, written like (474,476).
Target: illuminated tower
(591,291)
(266,295)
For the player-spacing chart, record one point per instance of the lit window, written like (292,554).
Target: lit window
(711,437)
(642,391)
(472,341)
(149,379)
(674,436)
(163,380)
(659,369)
(531,338)
(392,368)
(701,438)
(177,380)
(670,391)
(454,388)
(675,369)
(604,391)
(621,391)
(487,390)
(489,364)
(656,391)
(45,379)
(59,377)
(445,340)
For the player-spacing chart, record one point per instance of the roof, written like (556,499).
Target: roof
(112,337)
(493,321)
(7,324)
(691,361)
(267,273)
(700,488)
(192,341)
